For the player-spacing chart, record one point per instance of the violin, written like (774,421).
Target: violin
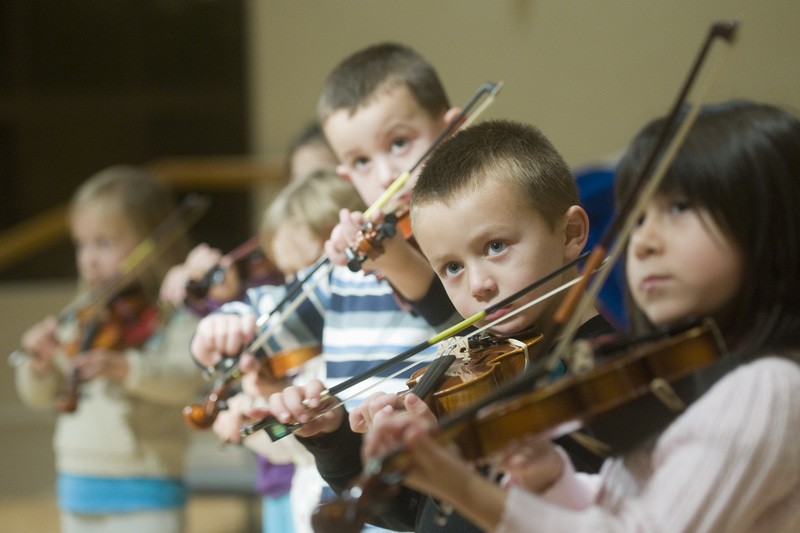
(455,381)
(126,322)
(368,242)
(622,387)
(117,315)
(275,367)
(251,266)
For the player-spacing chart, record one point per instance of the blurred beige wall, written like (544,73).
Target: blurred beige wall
(589,73)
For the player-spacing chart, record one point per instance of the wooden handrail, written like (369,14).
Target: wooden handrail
(36,233)
(181,173)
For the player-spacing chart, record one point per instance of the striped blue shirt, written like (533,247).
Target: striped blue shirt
(358,320)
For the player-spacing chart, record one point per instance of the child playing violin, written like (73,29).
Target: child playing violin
(308,152)
(120,454)
(530,224)
(730,461)
(293,230)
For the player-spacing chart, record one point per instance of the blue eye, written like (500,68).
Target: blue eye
(496,247)
(451,269)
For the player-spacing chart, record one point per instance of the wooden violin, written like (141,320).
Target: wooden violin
(368,242)
(455,381)
(649,371)
(275,367)
(250,264)
(127,322)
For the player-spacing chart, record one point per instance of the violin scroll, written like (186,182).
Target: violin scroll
(202,416)
(369,241)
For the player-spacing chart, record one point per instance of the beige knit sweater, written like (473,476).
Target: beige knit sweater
(130,429)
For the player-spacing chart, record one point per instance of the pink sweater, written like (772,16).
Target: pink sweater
(730,463)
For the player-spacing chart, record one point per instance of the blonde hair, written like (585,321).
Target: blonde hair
(313,201)
(144,202)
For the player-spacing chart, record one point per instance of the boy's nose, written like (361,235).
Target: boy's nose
(387,173)
(482,286)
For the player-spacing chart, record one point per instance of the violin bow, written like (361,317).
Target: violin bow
(483,97)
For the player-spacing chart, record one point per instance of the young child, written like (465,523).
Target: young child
(730,461)
(120,454)
(530,225)
(293,230)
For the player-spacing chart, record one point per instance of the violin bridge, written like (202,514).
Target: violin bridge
(458,347)
(667,395)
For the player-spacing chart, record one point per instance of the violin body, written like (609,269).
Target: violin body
(492,362)
(286,362)
(127,321)
(575,401)
(202,415)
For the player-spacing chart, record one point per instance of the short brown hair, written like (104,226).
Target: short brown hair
(499,151)
(364,74)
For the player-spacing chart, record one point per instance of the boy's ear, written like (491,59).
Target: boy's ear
(341,171)
(576,232)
